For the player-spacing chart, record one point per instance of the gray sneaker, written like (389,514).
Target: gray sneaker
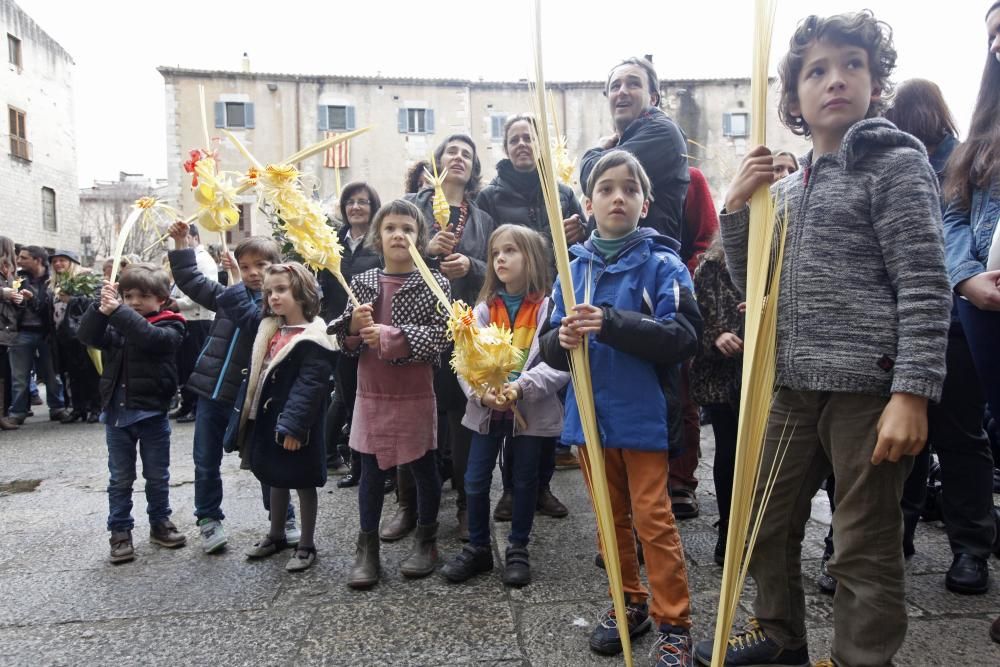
(292,533)
(213,536)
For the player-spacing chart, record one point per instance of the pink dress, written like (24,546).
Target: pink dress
(395,415)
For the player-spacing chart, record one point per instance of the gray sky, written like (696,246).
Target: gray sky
(118,44)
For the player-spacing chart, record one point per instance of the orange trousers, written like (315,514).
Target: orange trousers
(637,483)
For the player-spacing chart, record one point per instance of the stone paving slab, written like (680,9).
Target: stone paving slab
(61,603)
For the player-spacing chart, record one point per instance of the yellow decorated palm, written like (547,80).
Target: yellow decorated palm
(442,211)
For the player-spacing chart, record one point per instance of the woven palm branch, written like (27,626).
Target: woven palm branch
(579,358)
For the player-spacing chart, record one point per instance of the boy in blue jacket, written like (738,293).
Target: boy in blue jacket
(139,341)
(219,371)
(638,316)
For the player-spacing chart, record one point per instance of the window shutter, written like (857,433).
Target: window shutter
(323,114)
(350,118)
(401,120)
(429,121)
(727,125)
(248,115)
(220,114)
(495,128)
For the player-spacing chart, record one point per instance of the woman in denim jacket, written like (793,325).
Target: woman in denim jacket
(972,246)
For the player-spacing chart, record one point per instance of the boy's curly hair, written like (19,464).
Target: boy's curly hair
(859,29)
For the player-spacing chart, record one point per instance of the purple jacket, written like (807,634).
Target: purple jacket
(539,383)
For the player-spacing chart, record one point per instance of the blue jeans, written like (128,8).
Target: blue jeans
(209,427)
(479,476)
(546,464)
(22,357)
(153,437)
(982,330)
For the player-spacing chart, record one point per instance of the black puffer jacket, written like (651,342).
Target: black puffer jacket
(475,236)
(352,263)
(139,352)
(218,371)
(661,147)
(516,198)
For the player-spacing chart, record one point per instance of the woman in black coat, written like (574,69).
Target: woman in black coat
(359,202)
(515,194)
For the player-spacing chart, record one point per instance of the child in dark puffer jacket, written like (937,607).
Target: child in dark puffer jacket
(139,341)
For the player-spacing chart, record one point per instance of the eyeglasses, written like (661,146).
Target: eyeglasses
(350,203)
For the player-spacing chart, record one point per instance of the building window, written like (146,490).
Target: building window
(48,209)
(242,230)
(234,115)
(736,124)
(497,121)
(416,121)
(14,51)
(19,146)
(336,118)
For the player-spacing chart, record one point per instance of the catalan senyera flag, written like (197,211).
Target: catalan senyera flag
(339,156)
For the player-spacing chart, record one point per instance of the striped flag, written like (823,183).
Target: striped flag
(339,156)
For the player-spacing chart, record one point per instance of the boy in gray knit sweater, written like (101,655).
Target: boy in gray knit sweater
(863,312)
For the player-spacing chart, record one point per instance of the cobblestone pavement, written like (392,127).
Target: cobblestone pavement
(61,603)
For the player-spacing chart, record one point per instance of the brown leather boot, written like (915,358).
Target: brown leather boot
(424,557)
(6,424)
(366,568)
(405,519)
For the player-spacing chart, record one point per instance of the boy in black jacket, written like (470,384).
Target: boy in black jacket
(218,374)
(139,341)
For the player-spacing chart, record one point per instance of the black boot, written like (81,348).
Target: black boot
(352,478)
(469,562)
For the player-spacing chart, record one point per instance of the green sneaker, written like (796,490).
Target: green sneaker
(213,536)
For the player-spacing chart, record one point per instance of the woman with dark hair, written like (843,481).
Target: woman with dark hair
(458,251)
(416,177)
(10,300)
(515,197)
(972,246)
(918,108)
(358,204)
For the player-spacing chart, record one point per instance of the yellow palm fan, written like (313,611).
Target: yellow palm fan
(148,213)
(215,196)
(442,210)
(303,222)
(483,358)
(579,358)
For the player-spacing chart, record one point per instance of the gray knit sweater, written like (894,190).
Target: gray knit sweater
(864,298)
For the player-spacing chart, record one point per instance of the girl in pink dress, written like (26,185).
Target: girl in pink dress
(399,333)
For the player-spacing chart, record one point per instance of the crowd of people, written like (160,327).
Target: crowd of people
(886,362)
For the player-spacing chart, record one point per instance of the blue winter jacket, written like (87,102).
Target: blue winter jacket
(651,324)
(969,232)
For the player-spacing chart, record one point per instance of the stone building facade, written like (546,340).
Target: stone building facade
(276,114)
(39,202)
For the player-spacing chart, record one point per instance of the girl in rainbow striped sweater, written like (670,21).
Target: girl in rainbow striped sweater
(513,296)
